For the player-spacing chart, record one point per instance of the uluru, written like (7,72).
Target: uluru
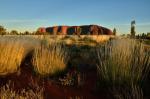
(76,30)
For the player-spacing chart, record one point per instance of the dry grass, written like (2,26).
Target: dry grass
(134,92)
(50,59)
(13,51)
(98,38)
(123,68)
(7,93)
(11,55)
(123,62)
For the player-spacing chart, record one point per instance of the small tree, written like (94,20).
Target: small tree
(2,30)
(26,33)
(114,31)
(133,28)
(14,32)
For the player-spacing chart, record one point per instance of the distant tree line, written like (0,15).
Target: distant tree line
(3,31)
(143,36)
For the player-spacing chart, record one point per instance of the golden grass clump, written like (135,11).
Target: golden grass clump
(51,59)
(11,55)
(123,62)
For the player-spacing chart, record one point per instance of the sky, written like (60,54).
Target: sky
(29,15)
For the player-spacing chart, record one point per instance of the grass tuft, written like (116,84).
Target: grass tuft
(7,93)
(123,62)
(11,55)
(49,60)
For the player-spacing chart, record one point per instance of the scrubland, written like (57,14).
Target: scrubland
(73,67)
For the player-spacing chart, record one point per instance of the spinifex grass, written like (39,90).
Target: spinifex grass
(11,55)
(49,60)
(123,63)
(8,93)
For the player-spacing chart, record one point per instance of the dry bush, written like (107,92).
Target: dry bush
(50,59)
(7,93)
(123,62)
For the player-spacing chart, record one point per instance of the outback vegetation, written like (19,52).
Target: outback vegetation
(49,59)
(74,49)
(74,67)
(10,56)
(124,65)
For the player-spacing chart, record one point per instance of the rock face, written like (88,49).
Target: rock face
(77,30)
(41,30)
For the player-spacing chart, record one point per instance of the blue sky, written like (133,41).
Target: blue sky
(30,14)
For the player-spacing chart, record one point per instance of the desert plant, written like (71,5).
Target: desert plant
(134,92)
(11,56)
(13,51)
(50,59)
(7,93)
(123,63)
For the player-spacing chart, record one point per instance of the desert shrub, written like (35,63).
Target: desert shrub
(11,55)
(122,63)
(7,93)
(49,60)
